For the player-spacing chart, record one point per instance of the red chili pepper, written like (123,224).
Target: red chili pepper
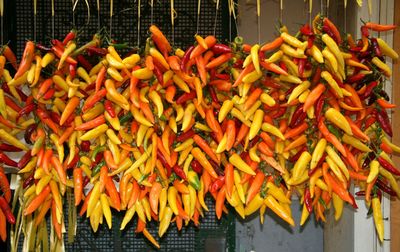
(376,47)
(73,162)
(307,200)
(297,113)
(355,78)
(86,181)
(364,31)
(360,193)
(72,70)
(281,111)
(57,43)
(49,94)
(388,166)
(7,210)
(93,50)
(179,171)
(222,76)
(302,63)
(23,96)
(59,52)
(55,117)
(28,132)
(43,48)
(26,110)
(158,73)
(221,49)
(384,187)
(6,160)
(164,162)
(84,62)
(85,146)
(186,58)
(383,119)
(186,97)
(217,184)
(283,66)
(310,41)
(28,181)
(108,106)
(298,154)
(70,36)
(368,91)
(12,104)
(24,160)
(196,166)
(9,148)
(306,30)
(269,82)
(311,172)
(185,135)
(319,105)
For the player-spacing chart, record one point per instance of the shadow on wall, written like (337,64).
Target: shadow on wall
(276,235)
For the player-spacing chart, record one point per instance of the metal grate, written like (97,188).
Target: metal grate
(124,25)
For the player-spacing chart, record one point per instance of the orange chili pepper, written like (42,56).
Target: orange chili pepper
(37,201)
(57,226)
(60,170)
(78,185)
(205,147)
(255,186)
(26,61)
(313,96)
(229,179)
(219,202)
(272,45)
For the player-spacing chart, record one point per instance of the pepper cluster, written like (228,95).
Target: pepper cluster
(153,134)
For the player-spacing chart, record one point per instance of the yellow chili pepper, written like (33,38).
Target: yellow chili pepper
(339,120)
(290,78)
(165,221)
(252,77)
(143,73)
(301,164)
(392,180)
(254,57)
(256,124)
(238,162)
(318,152)
(128,217)
(331,58)
(140,211)
(254,205)
(226,107)
(332,83)
(304,215)
(12,140)
(47,59)
(334,48)
(94,198)
(378,219)
(105,205)
(380,64)
(338,161)
(373,171)
(188,115)
(278,209)
(237,114)
(94,133)
(293,41)
(267,99)
(355,143)
(273,130)
(336,170)
(172,193)
(338,205)
(253,154)
(316,54)
(277,192)
(298,90)
(139,117)
(386,49)
(113,62)
(155,97)
(239,186)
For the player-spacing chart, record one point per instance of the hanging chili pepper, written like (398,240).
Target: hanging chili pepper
(7,210)
(383,119)
(388,166)
(179,171)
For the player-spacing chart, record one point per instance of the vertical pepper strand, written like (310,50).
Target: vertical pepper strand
(173,21)
(230,20)
(198,16)
(216,16)
(345,16)
(310,7)
(138,25)
(52,18)
(151,11)
(98,14)
(74,2)
(2,21)
(111,14)
(259,21)
(281,11)
(34,19)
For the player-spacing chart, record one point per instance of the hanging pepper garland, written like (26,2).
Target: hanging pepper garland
(154,134)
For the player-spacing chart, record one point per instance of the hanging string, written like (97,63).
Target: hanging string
(345,16)
(2,20)
(98,15)
(34,19)
(198,16)
(310,7)
(230,20)
(52,18)
(259,21)
(151,11)
(216,16)
(73,12)
(281,11)
(111,14)
(233,11)
(173,21)
(327,8)
(138,25)
(370,9)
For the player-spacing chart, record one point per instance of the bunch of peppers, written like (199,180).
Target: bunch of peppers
(153,134)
